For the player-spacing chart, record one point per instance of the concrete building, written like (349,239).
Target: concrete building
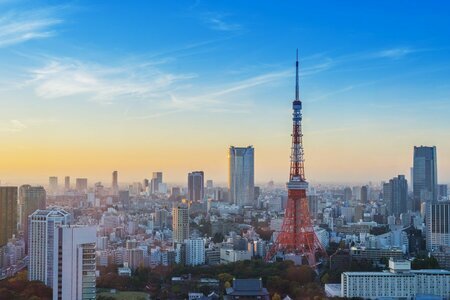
(43,244)
(399,282)
(241,179)
(231,255)
(438,225)
(195,252)
(76,263)
(180,223)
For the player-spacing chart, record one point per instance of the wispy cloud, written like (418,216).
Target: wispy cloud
(12,126)
(61,78)
(395,53)
(217,101)
(21,26)
(218,21)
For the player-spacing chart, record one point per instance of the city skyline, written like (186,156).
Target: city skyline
(83,97)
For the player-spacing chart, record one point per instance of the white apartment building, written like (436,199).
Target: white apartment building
(43,244)
(195,252)
(77,263)
(399,282)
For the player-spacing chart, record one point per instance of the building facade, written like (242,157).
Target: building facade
(395,195)
(195,252)
(400,282)
(241,179)
(438,225)
(424,175)
(8,216)
(196,186)
(43,244)
(180,223)
(31,198)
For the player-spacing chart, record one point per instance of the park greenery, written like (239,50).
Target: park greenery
(19,288)
(281,278)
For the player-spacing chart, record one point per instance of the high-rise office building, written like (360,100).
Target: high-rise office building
(8,216)
(81,185)
(438,225)
(180,223)
(241,179)
(395,195)
(31,198)
(196,186)
(43,244)
(67,183)
(115,182)
(364,194)
(424,175)
(76,263)
(53,184)
(157,179)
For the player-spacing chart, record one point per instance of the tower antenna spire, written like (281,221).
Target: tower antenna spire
(297,235)
(297,96)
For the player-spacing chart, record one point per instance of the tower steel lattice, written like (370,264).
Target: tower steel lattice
(297,234)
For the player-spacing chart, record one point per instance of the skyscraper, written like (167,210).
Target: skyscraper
(43,245)
(8,216)
(196,186)
(438,224)
(180,223)
(53,184)
(157,179)
(364,194)
(31,198)
(81,184)
(76,263)
(241,179)
(424,175)
(395,195)
(115,182)
(67,183)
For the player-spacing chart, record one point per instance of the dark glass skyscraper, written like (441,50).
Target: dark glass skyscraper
(424,175)
(396,195)
(196,186)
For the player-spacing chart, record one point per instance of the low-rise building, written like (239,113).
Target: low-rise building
(399,282)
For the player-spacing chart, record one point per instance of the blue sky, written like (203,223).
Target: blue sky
(91,86)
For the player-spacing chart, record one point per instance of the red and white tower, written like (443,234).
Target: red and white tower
(297,235)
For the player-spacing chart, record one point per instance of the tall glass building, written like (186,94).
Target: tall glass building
(241,179)
(424,175)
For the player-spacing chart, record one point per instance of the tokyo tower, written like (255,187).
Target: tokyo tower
(297,234)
